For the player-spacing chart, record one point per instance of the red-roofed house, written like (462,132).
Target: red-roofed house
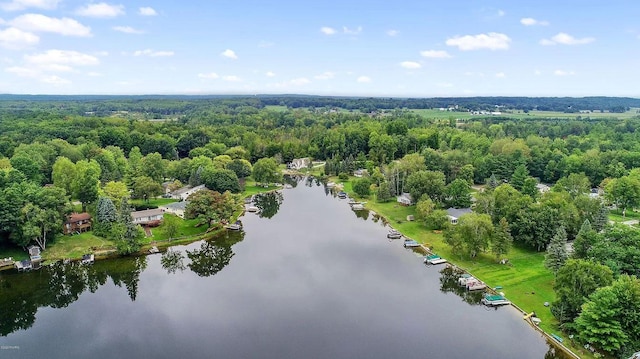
(77,223)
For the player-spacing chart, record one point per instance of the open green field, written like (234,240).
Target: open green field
(75,246)
(437,114)
(153,201)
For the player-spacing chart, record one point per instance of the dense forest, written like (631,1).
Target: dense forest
(101,151)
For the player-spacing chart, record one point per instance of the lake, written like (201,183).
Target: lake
(306,278)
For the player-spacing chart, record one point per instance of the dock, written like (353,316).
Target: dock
(494,300)
(6,262)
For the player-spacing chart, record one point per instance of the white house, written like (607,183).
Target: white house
(455,213)
(405,199)
(148,216)
(184,192)
(177,208)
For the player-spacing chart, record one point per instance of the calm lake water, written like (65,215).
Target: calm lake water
(307,278)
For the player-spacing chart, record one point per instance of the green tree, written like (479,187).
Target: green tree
(430,183)
(492,182)
(87,182)
(609,320)
(153,166)
(211,206)
(116,192)
(220,180)
(529,187)
(473,231)
(241,167)
(584,240)
(624,192)
(575,184)
(265,170)
(64,174)
(171,224)
(106,216)
(557,251)
(383,193)
(459,193)
(502,240)
(437,219)
(362,186)
(519,176)
(127,235)
(146,188)
(575,281)
(424,208)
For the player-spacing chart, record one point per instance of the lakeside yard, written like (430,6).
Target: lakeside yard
(524,280)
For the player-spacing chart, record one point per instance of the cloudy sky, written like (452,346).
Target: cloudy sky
(328,47)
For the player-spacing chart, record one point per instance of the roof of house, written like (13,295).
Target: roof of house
(77,217)
(176,205)
(405,195)
(457,212)
(147,213)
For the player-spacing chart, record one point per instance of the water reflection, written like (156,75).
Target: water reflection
(268,203)
(172,260)
(449,284)
(209,259)
(362,214)
(59,285)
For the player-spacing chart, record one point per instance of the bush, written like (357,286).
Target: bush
(343,176)
(362,187)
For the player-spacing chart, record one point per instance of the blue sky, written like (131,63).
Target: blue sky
(365,48)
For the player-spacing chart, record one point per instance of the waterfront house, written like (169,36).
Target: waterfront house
(77,223)
(149,217)
(405,199)
(455,213)
(177,208)
(360,172)
(184,192)
(299,163)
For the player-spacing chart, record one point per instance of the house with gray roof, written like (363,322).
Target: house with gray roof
(177,208)
(455,213)
(147,217)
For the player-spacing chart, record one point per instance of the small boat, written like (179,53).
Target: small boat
(357,207)
(434,259)
(410,243)
(393,234)
(342,194)
(233,227)
(494,300)
(331,184)
(475,285)
(557,337)
(464,279)
(153,250)
(253,209)
(88,259)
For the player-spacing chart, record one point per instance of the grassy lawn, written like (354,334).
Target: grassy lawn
(250,188)
(524,281)
(75,246)
(153,201)
(187,228)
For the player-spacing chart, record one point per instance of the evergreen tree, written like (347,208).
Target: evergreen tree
(529,187)
(106,215)
(127,235)
(519,177)
(383,194)
(556,251)
(502,240)
(601,219)
(583,240)
(492,182)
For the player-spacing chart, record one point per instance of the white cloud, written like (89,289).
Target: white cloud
(231,78)
(16,39)
(208,76)
(529,21)
(94,74)
(501,75)
(16,5)
(501,13)
(393,33)
(42,23)
(563,73)
(327,75)
(327,30)
(300,81)
(355,31)
(490,41)
(230,54)
(22,71)
(102,9)
(435,54)
(153,53)
(147,11)
(270,74)
(54,80)
(61,59)
(566,39)
(363,79)
(537,72)
(410,65)
(128,30)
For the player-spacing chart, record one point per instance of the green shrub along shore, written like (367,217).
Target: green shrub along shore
(525,281)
